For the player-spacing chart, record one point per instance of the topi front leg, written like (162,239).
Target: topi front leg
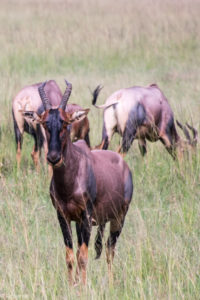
(83,233)
(67,235)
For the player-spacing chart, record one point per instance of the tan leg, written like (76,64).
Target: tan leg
(70,263)
(115,230)
(82,258)
(100,146)
(77,268)
(110,252)
(123,154)
(35,158)
(168,145)
(119,149)
(18,155)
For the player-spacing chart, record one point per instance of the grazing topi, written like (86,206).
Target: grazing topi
(141,113)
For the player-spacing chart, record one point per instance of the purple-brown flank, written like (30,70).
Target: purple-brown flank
(88,187)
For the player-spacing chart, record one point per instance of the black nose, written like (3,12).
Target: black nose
(53,157)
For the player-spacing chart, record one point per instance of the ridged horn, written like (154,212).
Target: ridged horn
(66,95)
(186,132)
(43,96)
(195,134)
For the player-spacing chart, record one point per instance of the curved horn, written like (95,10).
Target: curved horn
(66,95)
(186,132)
(43,96)
(95,94)
(195,134)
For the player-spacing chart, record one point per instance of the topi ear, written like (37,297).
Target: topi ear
(32,115)
(79,115)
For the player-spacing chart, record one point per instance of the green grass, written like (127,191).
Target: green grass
(116,44)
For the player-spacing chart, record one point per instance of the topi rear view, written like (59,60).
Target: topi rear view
(141,113)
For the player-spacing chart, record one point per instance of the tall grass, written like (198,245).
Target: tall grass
(118,44)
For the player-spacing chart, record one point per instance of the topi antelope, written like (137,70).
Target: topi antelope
(141,113)
(28,99)
(88,187)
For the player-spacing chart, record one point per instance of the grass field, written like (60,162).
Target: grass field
(116,44)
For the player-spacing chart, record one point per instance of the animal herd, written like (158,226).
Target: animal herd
(93,186)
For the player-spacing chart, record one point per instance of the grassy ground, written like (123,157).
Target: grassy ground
(117,44)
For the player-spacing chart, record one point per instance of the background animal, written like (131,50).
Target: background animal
(141,113)
(29,99)
(79,129)
(88,187)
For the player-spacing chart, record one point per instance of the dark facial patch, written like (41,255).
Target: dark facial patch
(135,119)
(54,125)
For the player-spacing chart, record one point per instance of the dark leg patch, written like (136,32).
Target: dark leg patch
(168,138)
(136,118)
(87,139)
(98,241)
(128,191)
(105,138)
(113,238)
(142,147)
(66,230)
(18,135)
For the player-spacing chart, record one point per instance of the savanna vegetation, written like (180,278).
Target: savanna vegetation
(116,44)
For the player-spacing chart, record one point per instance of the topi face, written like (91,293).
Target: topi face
(55,123)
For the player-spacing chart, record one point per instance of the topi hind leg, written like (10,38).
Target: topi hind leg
(109,126)
(87,139)
(98,240)
(142,146)
(18,154)
(135,120)
(39,138)
(35,152)
(119,150)
(117,224)
(115,230)
(19,138)
(127,140)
